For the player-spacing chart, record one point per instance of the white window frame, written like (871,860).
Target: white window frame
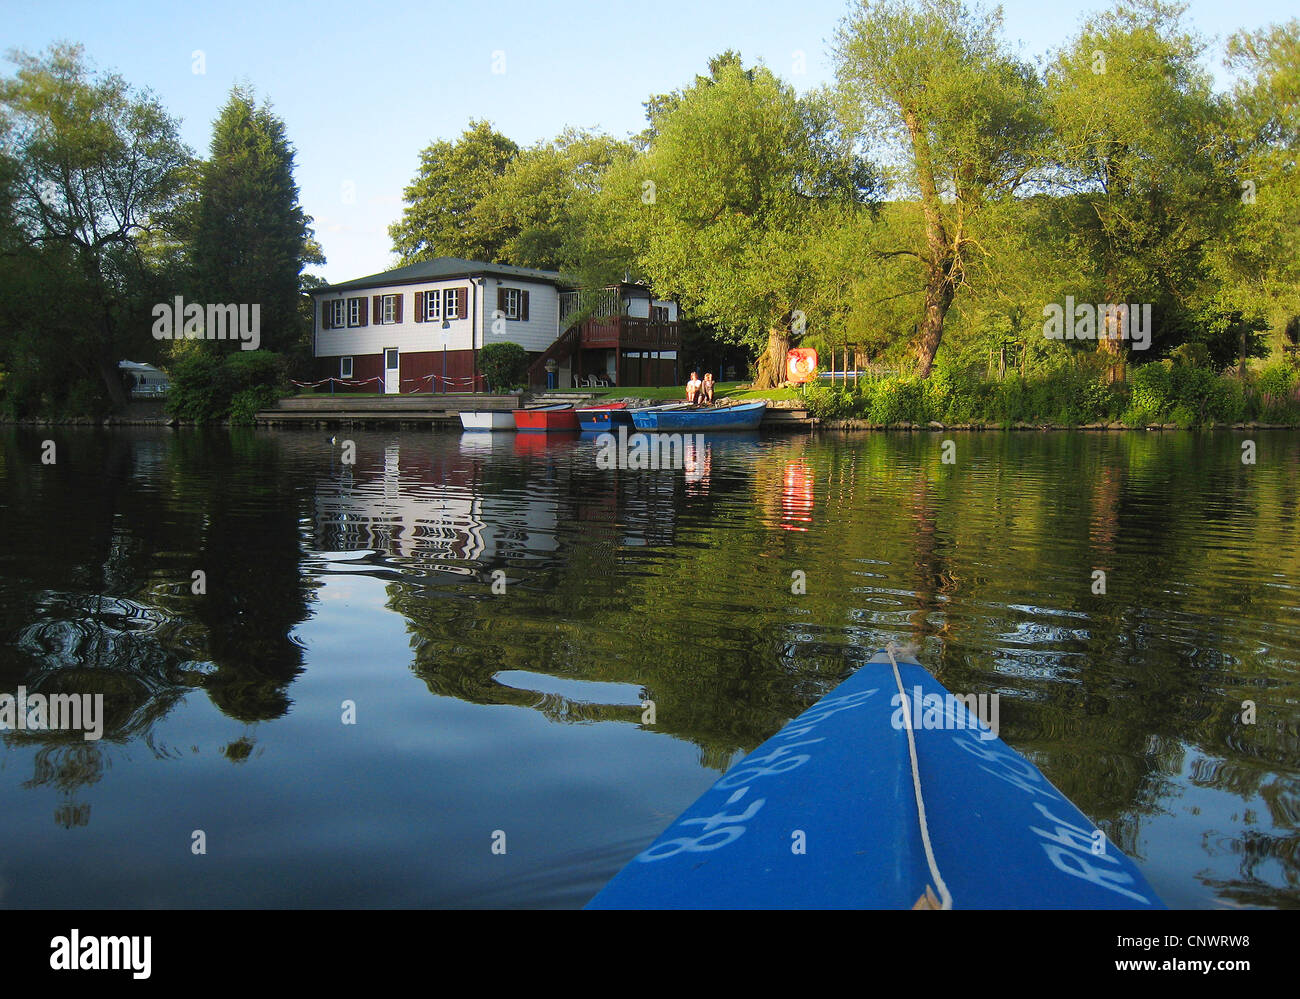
(338,314)
(388,309)
(514,303)
(450,310)
(345,367)
(355,305)
(432,305)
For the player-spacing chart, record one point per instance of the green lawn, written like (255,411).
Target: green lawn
(721,390)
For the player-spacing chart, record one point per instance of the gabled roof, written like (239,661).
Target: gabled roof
(442,268)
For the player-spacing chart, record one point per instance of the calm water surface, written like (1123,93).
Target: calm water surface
(519,712)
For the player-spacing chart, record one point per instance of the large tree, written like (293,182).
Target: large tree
(439,219)
(95,168)
(251,237)
(740,183)
(1139,157)
(539,210)
(1260,263)
(930,86)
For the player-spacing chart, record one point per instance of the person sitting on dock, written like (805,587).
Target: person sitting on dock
(693,388)
(705,396)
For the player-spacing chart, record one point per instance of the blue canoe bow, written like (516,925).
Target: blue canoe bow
(824,816)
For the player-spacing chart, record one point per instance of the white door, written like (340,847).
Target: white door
(392,371)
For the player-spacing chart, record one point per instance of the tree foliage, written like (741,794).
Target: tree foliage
(251,237)
(956,119)
(91,168)
(439,219)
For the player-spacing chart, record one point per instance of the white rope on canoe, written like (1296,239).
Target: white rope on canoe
(944,895)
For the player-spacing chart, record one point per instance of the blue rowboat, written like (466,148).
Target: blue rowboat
(745,416)
(835,812)
(604,418)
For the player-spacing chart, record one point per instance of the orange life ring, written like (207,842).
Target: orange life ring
(800,364)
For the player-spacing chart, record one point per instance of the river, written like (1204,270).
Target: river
(420,678)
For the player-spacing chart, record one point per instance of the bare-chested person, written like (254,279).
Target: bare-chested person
(693,389)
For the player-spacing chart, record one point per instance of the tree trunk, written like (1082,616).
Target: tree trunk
(771,365)
(1108,338)
(939,293)
(113,382)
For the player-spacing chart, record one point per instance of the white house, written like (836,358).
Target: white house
(420,328)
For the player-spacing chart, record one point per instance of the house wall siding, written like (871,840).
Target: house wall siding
(543,324)
(415,366)
(467,333)
(639,308)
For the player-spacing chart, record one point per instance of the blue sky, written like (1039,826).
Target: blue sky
(363,88)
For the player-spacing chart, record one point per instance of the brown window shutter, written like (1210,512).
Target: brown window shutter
(523,306)
(397,307)
(463,309)
(324,315)
(501,299)
(419,306)
(378,309)
(362,310)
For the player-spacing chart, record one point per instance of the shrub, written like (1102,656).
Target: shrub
(898,400)
(246,403)
(1277,385)
(1227,401)
(826,403)
(504,365)
(1151,393)
(206,386)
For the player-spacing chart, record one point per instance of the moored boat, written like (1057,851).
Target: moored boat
(561,417)
(888,793)
(487,419)
(692,419)
(604,417)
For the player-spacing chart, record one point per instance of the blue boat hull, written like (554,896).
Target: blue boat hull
(603,420)
(695,421)
(823,815)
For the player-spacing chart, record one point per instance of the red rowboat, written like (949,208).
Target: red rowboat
(561,417)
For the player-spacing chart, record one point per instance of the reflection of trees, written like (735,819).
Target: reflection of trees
(105,606)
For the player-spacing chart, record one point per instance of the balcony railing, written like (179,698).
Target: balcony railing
(601,302)
(629,333)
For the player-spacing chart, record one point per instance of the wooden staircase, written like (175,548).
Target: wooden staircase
(560,350)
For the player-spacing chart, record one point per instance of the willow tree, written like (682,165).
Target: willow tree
(957,121)
(1262,259)
(740,183)
(1139,157)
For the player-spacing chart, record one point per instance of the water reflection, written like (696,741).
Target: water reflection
(463,587)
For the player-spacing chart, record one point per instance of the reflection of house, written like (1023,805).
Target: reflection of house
(144,381)
(420,328)
(435,514)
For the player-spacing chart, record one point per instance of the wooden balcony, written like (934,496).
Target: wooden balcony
(628,333)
